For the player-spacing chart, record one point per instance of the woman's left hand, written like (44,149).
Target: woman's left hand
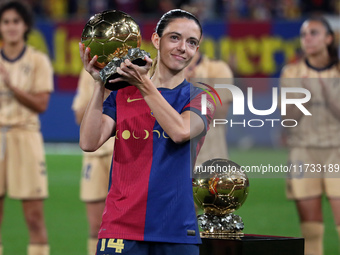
(133,74)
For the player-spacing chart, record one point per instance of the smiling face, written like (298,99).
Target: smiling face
(12,27)
(314,38)
(178,44)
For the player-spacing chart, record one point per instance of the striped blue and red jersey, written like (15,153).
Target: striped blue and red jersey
(150,192)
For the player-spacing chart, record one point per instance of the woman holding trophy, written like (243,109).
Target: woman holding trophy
(157,122)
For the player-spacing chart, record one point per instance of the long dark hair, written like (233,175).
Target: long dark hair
(24,12)
(332,47)
(165,20)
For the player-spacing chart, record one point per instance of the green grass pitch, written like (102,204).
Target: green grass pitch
(265,212)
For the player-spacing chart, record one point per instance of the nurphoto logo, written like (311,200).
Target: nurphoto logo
(239,105)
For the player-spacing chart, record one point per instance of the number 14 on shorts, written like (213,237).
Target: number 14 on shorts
(113,244)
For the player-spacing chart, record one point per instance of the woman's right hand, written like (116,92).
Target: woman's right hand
(89,63)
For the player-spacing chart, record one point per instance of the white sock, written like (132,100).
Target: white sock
(38,249)
(92,246)
(313,231)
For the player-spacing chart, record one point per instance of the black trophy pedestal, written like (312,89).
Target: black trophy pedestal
(253,245)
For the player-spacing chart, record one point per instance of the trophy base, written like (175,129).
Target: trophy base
(222,235)
(121,84)
(109,72)
(219,226)
(116,85)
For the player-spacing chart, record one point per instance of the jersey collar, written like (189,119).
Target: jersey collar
(319,69)
(15,59)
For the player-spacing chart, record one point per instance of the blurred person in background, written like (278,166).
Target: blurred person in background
(315,141)
(209,71)
(26,81)
(95,167)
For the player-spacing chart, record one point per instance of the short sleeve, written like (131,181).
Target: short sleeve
(109,106)
(195,105)
(43,73)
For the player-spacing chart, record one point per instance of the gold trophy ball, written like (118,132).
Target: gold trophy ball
(222,192)
(110,34)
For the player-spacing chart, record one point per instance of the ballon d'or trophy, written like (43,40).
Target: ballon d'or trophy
(220,188)
(113,36)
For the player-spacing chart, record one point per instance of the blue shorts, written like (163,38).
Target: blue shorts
(129,247)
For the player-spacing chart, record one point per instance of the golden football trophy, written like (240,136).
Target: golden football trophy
(113,36)
(220,188)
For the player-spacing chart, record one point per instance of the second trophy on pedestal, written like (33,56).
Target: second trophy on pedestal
(220,188)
